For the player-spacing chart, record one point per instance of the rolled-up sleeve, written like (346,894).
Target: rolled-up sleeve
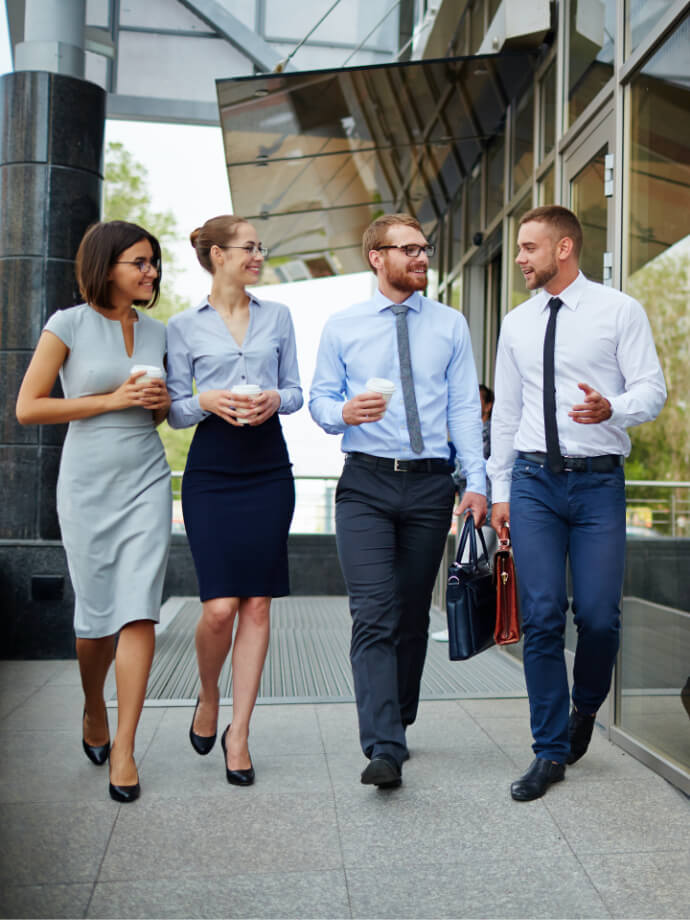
(289,388)
(185,409)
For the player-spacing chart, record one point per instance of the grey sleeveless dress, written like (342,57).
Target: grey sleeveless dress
(113,492)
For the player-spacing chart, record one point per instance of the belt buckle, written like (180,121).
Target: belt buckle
(397,468)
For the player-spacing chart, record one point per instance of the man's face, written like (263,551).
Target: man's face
(403,273)
(536,256)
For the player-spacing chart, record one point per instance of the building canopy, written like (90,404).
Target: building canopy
(313,157)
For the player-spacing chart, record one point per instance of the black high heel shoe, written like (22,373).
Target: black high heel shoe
(124,794)
(236,777)
(202,744)
(97,753)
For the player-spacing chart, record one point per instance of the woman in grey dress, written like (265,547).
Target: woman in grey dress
(113,493)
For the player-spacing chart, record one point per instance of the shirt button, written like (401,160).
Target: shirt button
(243,377)
(239,353)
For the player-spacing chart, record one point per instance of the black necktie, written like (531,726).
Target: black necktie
(409,398)
(554,459)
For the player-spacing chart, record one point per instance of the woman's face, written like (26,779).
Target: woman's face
(242,261)
(133,274)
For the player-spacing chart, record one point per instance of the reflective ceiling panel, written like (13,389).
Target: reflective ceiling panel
(313,157)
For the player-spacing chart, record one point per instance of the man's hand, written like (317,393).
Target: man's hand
(366,407)
(476,503)
(500,515)
(595,409)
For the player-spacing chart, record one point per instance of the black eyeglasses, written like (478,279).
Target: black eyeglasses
(412,250)
(142,264)
(250,249)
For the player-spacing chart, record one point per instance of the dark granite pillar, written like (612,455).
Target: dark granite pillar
(51,152)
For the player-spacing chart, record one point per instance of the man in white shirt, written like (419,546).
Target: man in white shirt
(395,496)
(576,366)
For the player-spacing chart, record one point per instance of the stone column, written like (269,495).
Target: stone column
(51,149)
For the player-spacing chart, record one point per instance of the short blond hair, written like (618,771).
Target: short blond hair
(376,233)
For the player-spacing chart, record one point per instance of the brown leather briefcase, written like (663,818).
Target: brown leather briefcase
(508,625)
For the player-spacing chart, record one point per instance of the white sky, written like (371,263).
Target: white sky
(187,176)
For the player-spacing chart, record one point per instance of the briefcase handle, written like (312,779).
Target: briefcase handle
(469,531)
(504,536)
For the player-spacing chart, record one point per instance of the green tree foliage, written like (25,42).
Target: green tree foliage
(127,197)
(661,450)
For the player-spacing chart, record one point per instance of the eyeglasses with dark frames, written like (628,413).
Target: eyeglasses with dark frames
(142,264)
(250,249)
(412,250)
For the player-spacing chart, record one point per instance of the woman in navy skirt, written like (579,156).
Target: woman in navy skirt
(238,494)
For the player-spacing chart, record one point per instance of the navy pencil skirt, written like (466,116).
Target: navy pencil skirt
(238,498)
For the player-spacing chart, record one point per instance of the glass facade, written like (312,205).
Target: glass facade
(591,39)
(523,143)
(547,122)
(641,16)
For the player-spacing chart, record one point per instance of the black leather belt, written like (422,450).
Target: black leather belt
(398,466)
(606,463)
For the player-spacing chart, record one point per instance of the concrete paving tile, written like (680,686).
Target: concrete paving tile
(49,708)
(240,831)
(474,819)
(509,732)
(44,900)
(628,815)
(512,884)
(504,709)
(42,766)
(299,895)
(12,698)
(642,884)
(27,673)
(53,843)
(338,726)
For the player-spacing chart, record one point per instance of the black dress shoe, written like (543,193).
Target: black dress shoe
(580,728)
(97,753)
(125,793)
(534,783)
(382,771)
(202,744)
(236,777)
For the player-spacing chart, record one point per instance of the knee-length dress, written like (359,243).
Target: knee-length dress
(238,493)
(113,494)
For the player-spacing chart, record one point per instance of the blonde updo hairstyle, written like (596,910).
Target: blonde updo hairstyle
(218,231)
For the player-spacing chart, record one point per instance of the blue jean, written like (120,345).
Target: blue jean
(580,516)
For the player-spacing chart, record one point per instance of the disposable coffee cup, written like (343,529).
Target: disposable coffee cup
(151,372)
(245,389)
(382,386)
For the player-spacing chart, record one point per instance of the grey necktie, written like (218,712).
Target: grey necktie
(411,411)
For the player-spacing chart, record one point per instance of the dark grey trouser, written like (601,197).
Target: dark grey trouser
(391,529)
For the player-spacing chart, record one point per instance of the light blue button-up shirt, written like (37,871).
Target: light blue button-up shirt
(201,349)
(361,342)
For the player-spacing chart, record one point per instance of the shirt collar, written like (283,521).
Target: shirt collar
(570,296)
(205,304)
(381,302)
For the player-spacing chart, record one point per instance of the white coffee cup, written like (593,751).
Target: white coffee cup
(382,386)
(245,389)
(151,372)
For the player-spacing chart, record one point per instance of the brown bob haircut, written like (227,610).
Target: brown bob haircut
(98,252)
(561,221)
(217,231)
(376,233)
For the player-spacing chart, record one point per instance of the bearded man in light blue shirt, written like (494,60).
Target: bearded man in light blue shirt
(395,496)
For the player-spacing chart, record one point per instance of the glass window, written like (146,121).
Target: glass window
(591,46)
(493,6)
(476,26)
(641,17)
(474,203)
(588,202)
(547,188)
(523,147)
(494,177)
(547,115)
(457,246)
(518,292)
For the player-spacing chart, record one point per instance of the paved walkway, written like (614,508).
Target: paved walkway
(308,840)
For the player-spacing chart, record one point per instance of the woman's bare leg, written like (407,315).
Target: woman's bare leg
(213,640)
(248,657)
(133,659)
(95,657)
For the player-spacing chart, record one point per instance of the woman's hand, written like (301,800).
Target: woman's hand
(224,404)
(264,406)
(129,394)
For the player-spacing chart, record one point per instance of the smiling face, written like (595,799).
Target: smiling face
(397,273)
(127,284)
(239,260)
(538,254)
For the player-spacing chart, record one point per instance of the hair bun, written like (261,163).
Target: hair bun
(194,236)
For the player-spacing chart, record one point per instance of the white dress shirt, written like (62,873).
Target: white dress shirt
(361,342)
(603,339)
